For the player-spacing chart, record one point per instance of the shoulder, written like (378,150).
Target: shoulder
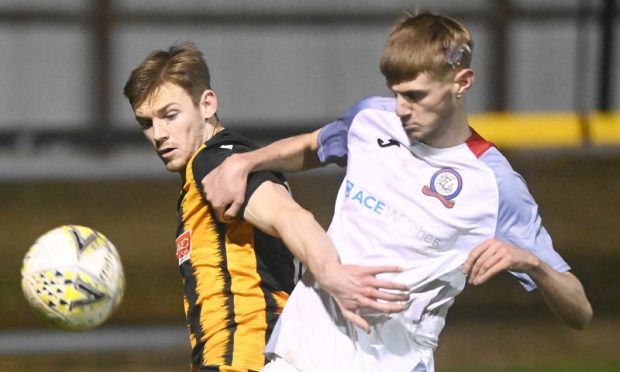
(368,113)
(227,140)
(516,203)
(375,103)
(510,183)
(217,149)
(506,178)
(518,219)
(382,108)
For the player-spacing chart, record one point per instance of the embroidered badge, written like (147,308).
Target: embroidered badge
(445,185)
(184,246)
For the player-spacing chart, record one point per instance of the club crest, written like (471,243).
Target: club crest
(445,185)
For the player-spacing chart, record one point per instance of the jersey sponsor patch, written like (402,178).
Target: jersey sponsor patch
(184,246)
(445,185)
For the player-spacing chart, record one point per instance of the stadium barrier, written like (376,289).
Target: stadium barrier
(548,129)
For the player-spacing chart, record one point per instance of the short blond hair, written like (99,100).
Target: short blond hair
(425,43)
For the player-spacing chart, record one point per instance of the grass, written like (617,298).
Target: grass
(495,327)
(567,365)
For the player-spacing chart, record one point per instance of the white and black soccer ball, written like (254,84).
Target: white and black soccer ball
(73,276)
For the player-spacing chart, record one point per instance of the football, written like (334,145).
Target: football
(73,277)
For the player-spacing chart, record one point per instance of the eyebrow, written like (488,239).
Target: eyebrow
(158,112)
(141,119)
(163,109)
(411,90)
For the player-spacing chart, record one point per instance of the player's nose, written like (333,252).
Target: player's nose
(402,109)
(402,106)
(159,131)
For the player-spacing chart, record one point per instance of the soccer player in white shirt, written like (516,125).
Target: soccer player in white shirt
(422,189)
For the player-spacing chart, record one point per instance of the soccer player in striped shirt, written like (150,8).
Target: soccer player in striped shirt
(237,275)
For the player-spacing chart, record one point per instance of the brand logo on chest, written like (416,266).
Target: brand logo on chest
(184,246)
(391,142)
(445,185)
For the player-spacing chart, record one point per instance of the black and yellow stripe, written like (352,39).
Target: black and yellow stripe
(236,280)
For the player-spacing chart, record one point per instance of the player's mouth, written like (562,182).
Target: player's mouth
(410,126)
(166,153)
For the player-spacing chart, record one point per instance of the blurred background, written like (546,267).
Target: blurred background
(546,93)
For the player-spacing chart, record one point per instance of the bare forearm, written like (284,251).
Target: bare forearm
(562,291)
(224,187)
(308,242)
(272,210)
(564,294)
(291,154)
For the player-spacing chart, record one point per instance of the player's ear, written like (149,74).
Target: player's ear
(463,80)
(208,104)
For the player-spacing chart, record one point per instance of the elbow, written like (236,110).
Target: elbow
(580,324)
(581,321)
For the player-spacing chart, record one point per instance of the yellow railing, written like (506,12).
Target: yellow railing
(605,128)
(548,130)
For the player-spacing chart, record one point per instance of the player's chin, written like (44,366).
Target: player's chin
(175,165)
(415,134)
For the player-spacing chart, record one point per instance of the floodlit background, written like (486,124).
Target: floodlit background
(546,92)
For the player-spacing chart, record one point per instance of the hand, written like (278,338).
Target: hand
(493,256)
(225,187)
(357,287)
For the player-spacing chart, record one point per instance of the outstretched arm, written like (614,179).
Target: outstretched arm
(563,292)
(225,186)
(274,211)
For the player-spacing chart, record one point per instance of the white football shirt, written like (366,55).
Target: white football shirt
(417,207)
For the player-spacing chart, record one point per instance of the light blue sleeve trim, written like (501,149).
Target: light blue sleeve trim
(333,136)
(519,222)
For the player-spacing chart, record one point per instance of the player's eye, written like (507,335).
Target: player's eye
(145,123)
(171,115)
(414,96)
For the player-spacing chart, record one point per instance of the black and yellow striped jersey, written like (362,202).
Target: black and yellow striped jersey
(236,278)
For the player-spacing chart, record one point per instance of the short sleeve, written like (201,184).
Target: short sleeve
(519,222)
(210,157)
(333,143)
(333,136)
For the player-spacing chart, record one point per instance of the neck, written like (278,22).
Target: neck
(460,131)
(212,129)
(454,133)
